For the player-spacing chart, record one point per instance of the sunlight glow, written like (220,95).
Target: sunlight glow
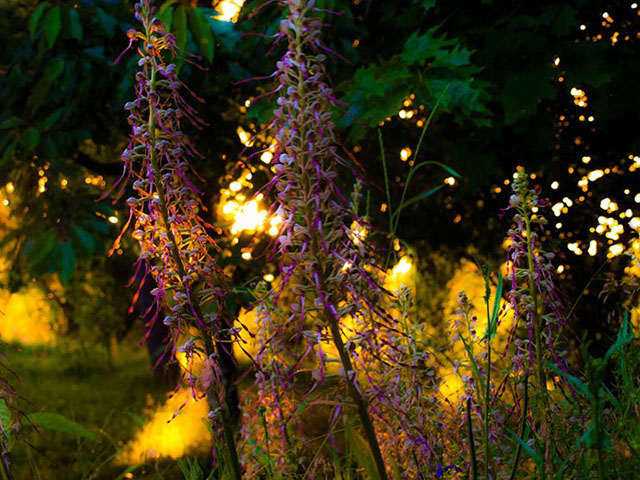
(162,436)
(229,10)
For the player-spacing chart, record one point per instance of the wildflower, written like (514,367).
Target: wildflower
(317,236)
(167,206)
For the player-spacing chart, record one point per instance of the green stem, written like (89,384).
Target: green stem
(523,426)
(487,399)
(542,381)
(357,397)
(193,300)
(472,445)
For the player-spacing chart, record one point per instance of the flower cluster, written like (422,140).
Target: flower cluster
(166,213)
(327,300)
(535,296)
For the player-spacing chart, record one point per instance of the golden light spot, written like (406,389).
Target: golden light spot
(405,153)
(42,182)
(113,219)
(248,217)
(557,209)
(400,274)
(245,137)
(266,157)
(229,10)
(10,187)
(575,248)
(450,181)
(268,278)
(615,250)
(593,248)
(595,175)
(608,205)
(555,185)
(246,255)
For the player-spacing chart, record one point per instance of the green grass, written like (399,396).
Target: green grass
(82,385)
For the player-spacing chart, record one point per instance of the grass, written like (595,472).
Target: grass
(82,385)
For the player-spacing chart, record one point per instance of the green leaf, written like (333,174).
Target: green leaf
(526,447)
(107,22)
(51,25)
(35,18)
(59,423)
(85,241)
(165,5)
(417,198)
(75,27)
(493,322)
(588,437)
(67,265)
(363,454)
(52,119)
(226,32)
(418,48)
(425,4)
(6,419)
(179,27)
(53,70)
(625,336)
(166,17)
(523,90)
(39,94)
(202,32)
(12,122)
(38,248)
(578,384)
(30,139)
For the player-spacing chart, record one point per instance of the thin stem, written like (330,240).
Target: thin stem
(535,319)
(193,300)
(487,455)
(472,445)
(415,155)
(388,192)
(523,426)
(358,398)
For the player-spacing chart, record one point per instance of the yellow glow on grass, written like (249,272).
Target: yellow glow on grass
(467,278)
(186,434)
(401,274)
(26,317)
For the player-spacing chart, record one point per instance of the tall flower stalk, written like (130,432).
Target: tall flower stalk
(534,296)
(176,247)
(322,261)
